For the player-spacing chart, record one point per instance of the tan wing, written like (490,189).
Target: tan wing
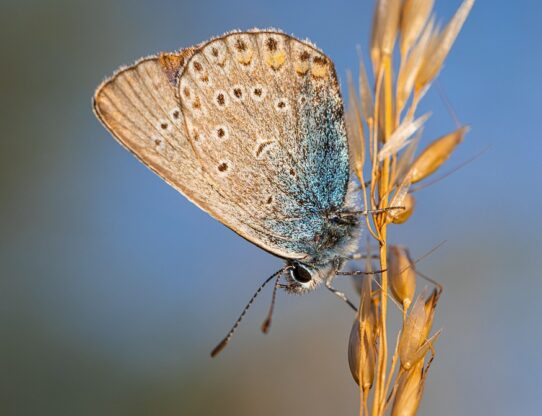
(264,113)
(139,106)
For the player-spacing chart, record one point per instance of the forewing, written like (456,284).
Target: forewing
(139,106)
(265,116)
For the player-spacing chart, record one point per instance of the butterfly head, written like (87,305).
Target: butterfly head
(305,277)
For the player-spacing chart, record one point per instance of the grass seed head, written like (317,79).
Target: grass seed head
(430,306)
(385,27)
(440,45)
(414,15)
(362,343)
(382,121)
(413,342)
(411,65)
(365,91)
(409,392)
(362,355)
(400,137)
(435,155)
(401,216)
(402,275)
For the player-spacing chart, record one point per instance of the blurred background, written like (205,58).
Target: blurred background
(114,288)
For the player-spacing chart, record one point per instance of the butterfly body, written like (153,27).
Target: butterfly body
(249,126)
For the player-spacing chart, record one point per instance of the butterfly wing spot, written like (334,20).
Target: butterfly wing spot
(302,59)
(271,44)
(240,45)
(224,167)
(245,59)
(221,99)
(189,97)
(292,172)
(276,60)
(164,125)
(197,136)
(319,67)
(238,93)
(197,66)
(201,75)
(216,53)
(242,50)
(262,148)
(274,53)
(175,113)
(258,93)
(282,105)
(301,68)
(159,145)
(222,132)
(269,200)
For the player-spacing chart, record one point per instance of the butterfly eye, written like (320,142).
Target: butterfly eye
(300,274)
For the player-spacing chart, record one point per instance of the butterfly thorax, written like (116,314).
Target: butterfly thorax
(334,243)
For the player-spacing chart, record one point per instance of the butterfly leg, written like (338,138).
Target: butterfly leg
(341,295)
(362,256)
(346,214)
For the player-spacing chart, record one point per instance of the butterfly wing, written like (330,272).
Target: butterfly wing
(139,106)
(264,113)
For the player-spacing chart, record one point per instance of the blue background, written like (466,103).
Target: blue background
(114,288)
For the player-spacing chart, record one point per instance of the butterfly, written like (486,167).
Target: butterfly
(250,127)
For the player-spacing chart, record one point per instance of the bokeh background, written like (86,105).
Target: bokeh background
(114,288)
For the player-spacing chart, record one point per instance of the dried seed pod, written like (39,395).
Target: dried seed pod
(413,342)
(361,355)
(354,127)
(400,137)
(411,65)
(440,45)
(414,15)
(362,343)
(430,306)
(409,392)
(365,91)
(435,155)
(385,27)
(400,216)
(354,346)
(402,275)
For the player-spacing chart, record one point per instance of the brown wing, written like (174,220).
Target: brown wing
(265,116)
(140,107)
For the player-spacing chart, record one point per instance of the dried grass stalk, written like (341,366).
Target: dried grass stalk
(381,122)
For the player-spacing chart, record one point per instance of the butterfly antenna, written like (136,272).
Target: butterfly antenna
(267,323)
(227,338)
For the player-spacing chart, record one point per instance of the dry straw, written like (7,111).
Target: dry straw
(384,132)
